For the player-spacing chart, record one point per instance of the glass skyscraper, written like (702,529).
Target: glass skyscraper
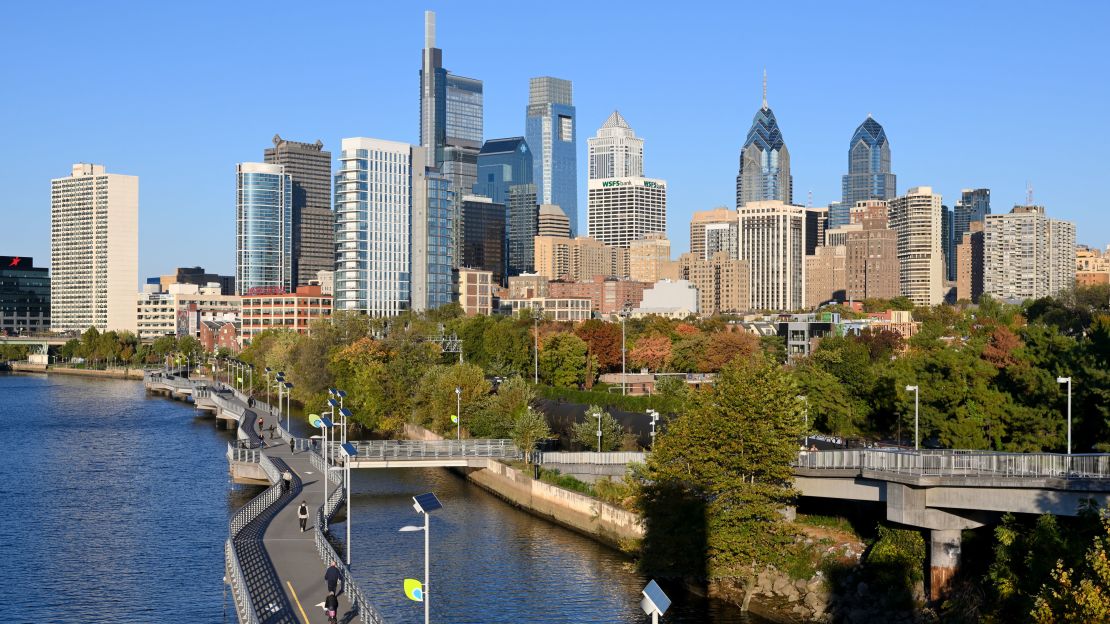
(869,175)
(523,225)
(550,131)
(503,163)
(433,235)
(264,229)
(764,161)
(973,205)
(309,165)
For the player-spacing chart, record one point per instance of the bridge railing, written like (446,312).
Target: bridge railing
(237,454)
(366,611)
(614,458)
(961,463)
(244,516)
(420,449)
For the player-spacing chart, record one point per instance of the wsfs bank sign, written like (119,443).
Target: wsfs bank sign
(646,184)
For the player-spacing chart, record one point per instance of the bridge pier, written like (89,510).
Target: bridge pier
(944,560)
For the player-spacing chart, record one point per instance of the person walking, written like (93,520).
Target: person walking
(302,515)
(292,445)
(331,607)
(331,576)
(286,481)
(272,428)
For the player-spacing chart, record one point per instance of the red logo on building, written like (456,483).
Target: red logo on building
(15,261)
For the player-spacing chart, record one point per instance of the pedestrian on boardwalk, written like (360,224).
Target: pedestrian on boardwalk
(271,431)
(331,607)
(331,575)
(292,446)
(302,515)
(286,481)
(261,423)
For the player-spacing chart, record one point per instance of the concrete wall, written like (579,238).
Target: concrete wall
(115,373)
(606,523)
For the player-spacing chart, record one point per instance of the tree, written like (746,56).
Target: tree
(727,459)
(529,429)
(727,346)
(674,391)
(1079,595)
(563,361)
(603,341)
(585,432)
(687,351)
(436,400)
(651,352)
(496,416)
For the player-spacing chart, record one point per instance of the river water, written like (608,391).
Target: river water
(115,508)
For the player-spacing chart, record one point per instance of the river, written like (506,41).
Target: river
(115,509)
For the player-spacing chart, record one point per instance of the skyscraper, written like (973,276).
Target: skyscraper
(872,255)
(552,221)
(622,210)
(947,243)
(772,241)
(373,199)
(483,236)
(616,151)
(969,258)
(24,296)
(916,218)
(869,175)
(263,229)
(550,131)
(699,223)
(523,226)
(94,250)
(309,166)
(764,161)
(1027,255)
(433,242)
(973,205)
(501,164)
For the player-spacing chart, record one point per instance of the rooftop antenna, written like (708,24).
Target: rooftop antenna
(809,200)
(765,88)
(1028,193)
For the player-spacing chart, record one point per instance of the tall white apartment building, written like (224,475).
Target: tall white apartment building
(616,151)
(94,250)
(622,210)
(916,219)
(373,195)
(1027,255)
(771,238)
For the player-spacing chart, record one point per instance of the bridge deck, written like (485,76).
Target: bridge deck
(286,575)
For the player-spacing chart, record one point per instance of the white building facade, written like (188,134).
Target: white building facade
(771,238)
(622,210)
(1027,255)
(916,218)
(94,250)
(616,151)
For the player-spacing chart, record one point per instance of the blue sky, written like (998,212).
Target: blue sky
(971,94)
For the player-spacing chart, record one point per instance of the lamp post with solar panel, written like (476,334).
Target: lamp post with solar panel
(425,504)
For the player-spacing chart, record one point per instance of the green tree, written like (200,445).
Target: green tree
(727,459)
(529,429)
(495,417)
(674,391)
(1079,594)
(563,361)
(585,432)
(687,351)
(437,401)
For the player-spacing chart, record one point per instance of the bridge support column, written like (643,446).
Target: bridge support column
(944,560)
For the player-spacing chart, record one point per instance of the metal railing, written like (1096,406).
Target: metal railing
(366,611)
(959,463)
(238,454)
(244,516)
(418,449)
(243,606)
(619,457)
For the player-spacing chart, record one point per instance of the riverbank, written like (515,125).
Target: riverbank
(114,373)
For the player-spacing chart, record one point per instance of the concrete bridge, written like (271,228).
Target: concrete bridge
(949,491)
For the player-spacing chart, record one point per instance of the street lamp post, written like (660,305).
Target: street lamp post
(342,394)
(801,397)
(654,419)
(624,371)
(1067,380)
(325,424)
(348,453)
(425,504)
(599,413)
(536,345)
(916,405)
(288,407)
(458,412)
(266,374)
(279,381)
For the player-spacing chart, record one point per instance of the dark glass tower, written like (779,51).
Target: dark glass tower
(313,219)
(483,234)
(974,205)
(503,163)
(550,129)
(869,175)
(764,161)
(24,296)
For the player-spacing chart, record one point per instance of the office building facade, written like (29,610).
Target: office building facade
(1027,255)
(872,255)
(702,220)
(434,238)
(622,210)
(869,175)
(722,282)
(550,128)
(764,161)
(309,167)
(916,219)
(24,296)
(973,205)
(263,228)
(826,275)
(616,151)
(969,260)
(772,241)
(649,258)
(552,221)
(483,236)
(94,250)
(578,259)
(476,291)
(503,163)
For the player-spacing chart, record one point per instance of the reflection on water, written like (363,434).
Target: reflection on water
(115,508)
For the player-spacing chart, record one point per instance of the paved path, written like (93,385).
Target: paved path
(284,571)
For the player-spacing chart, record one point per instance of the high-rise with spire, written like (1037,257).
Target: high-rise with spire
(764,161)
(869,175)
(616,151)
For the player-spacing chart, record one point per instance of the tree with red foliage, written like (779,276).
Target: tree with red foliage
(653,352)
(727,346)
(603,341)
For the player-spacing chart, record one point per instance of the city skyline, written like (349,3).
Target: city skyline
(679,113)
